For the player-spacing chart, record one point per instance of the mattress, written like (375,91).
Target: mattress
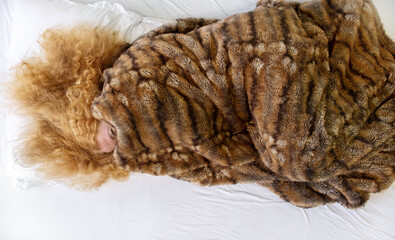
(148,207)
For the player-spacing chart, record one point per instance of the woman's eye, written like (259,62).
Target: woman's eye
(113,132)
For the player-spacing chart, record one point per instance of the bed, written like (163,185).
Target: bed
(147,207)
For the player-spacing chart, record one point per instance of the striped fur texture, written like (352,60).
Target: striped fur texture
(297,97)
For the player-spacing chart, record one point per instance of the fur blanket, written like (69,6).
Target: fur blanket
(297,97)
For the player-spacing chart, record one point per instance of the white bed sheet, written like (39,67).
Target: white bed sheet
(147,207)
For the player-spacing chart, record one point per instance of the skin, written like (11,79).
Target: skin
(106,137)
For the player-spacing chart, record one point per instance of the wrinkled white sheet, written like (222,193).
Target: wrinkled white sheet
(147,207)
(161,208)
(6,8)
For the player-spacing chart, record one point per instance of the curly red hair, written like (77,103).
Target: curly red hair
(55,90)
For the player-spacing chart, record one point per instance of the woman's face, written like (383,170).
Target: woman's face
(106,137)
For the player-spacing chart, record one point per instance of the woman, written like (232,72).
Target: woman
(295,97)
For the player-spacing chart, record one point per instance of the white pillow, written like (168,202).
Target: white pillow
(172,9)
(30,19)
(33,17)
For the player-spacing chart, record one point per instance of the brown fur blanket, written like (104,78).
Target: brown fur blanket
(297,97)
